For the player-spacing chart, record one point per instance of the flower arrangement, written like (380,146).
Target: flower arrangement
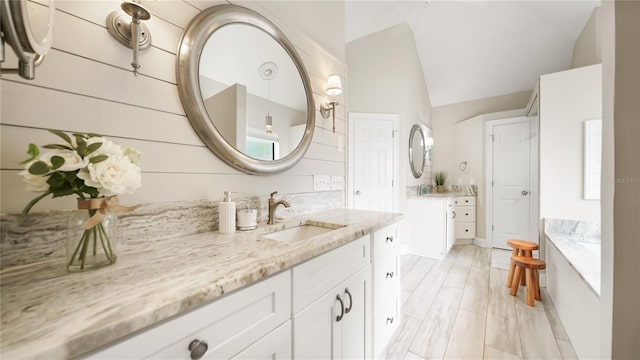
(90,167)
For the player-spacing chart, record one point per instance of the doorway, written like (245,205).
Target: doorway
(511,171)
(373,162)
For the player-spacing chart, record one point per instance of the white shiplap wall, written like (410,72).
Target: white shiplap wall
(85,85)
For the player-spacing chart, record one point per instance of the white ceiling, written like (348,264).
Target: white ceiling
(477,49)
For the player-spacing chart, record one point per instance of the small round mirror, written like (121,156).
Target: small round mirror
(417,151)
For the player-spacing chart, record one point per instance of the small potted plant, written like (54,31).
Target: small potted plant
(440,177)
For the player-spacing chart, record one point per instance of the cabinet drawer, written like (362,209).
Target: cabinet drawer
(276,345)
(465,214)
(385,239)
(228,325)
(385,323)
(465,230)
(321,274)
(386,276)
(465,200)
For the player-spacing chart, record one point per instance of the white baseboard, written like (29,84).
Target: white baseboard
(482,242)
(463,241)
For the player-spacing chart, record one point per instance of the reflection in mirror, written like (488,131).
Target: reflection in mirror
(253,92)
(417,151)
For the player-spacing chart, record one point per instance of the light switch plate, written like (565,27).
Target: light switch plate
(321,182)
(337,183)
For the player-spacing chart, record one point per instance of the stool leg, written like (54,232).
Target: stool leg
(511,268)
(516,281)
(526,253)
(531,292)
(536,281)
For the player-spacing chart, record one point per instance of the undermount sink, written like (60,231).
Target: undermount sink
(301,232)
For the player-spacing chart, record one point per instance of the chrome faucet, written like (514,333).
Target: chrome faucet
(272,208)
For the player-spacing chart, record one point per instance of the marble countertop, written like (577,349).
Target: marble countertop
(50,313)
(579,243)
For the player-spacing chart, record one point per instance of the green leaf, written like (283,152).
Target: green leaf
(57,147)
(38,168)
(98,158)
(93,192)
(82,146)
(56,162)
(63,190)
(55,181)
(91,135)
(93,147)
(61,134)
(33,151)
(70,176)
(81,135)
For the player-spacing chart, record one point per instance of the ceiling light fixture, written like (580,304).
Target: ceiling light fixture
(268,71)
(334,88)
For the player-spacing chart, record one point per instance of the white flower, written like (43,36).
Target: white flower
(72,161)
(37,183)
(133,155)
(113,176)
(108,147)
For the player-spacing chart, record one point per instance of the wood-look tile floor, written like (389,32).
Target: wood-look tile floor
(460,308)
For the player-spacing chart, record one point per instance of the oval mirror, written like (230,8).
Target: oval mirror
(245,90)
(417,151)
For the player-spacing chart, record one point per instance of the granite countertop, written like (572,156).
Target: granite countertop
(50,313)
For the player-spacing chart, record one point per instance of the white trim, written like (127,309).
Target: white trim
(395,118)
(482,242)
(591,139)
(534,126)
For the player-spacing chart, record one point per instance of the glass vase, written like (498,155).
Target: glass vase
(94,247)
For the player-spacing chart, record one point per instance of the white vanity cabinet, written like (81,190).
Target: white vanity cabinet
(431,226)
(465,208)
(386,286)
(250,323)
(332,304)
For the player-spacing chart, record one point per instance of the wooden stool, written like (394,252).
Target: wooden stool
(531,267)
(520,248)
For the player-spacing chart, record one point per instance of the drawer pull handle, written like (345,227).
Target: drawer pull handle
(390,320)
(466,214)
(339,317)
(466,201)
(466,230)
(347,310)
(389,238)
(198,349)
(390,274)
(454,214)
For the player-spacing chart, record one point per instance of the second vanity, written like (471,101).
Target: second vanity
(330,294)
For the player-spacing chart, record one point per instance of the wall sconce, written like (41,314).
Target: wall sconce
(428,142)
(134,34)
(334,88)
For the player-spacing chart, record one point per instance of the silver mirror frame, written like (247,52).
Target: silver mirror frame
(187,75)
(416,129)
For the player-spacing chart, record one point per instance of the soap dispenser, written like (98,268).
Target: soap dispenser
(227,215)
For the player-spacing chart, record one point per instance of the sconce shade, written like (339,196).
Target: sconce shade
(334,85)
(268,124)
(429,141)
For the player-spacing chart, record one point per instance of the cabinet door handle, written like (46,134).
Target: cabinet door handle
(454,214)
(390,238)
(198,348)
(390,274)
(466,214)
(390,320)
(339,317)
(347,310)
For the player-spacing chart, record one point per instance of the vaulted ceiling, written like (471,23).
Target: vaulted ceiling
(477,49)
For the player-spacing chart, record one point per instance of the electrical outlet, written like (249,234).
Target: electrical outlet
(321,182)
(337,183)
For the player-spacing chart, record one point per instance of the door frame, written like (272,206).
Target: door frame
(534,192)
(395,118)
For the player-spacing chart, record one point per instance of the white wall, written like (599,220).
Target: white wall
(85,85)
(459,136)
(385,76)
(567,99)
(587,50)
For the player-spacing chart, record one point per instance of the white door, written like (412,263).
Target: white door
(373,168)
(355,340)
(511,153)
(316,332)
